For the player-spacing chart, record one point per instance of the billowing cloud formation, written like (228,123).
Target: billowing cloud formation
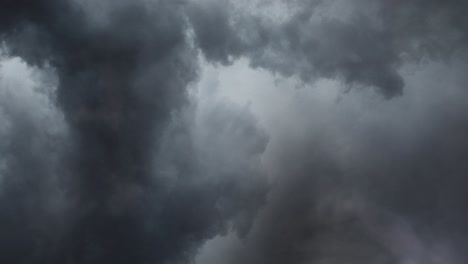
(364,46)
(357,179)
(122,68)
(120,145)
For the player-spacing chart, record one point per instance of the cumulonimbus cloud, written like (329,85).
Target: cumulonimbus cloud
(117,154)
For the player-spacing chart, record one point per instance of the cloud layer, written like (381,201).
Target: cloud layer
(233,131)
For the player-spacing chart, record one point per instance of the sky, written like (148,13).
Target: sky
(233,131)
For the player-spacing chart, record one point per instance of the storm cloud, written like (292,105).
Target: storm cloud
(203,131)
(361,43)
(122,69)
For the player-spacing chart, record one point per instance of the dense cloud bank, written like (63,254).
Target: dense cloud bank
(174,131)
(362,43)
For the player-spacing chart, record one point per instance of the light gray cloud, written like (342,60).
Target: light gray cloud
(350,174)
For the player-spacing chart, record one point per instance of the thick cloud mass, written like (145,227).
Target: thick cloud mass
(357,179)
(364,47)
(122,67)
(159,131)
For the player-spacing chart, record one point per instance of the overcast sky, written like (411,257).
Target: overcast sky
(233,131)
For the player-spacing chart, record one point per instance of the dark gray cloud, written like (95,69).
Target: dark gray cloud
(365,46)
(127,162)
(406,161)
(122,70)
